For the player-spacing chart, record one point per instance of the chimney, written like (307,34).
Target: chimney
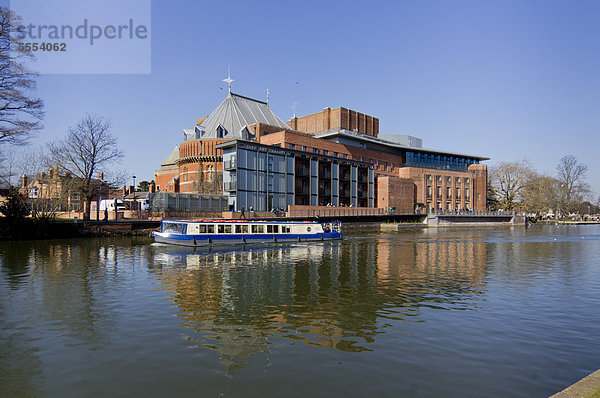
(101,175)
(152,187)
(24,181)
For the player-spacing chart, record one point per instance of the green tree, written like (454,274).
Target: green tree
(15,207)
(144,186)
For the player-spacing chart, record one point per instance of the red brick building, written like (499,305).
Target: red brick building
(337,159)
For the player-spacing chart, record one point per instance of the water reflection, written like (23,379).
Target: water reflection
(57,292)
(329,295)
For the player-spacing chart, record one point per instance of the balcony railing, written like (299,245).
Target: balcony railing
(363,178)
(344,193)
(230,164)
(345,176)
(363,194)
(324,192)
(230,185)
(325,174)
(301,190)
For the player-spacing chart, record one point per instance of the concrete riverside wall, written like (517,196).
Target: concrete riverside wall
(586,387)
(435,220)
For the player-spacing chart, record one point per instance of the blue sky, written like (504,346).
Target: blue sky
(504,79)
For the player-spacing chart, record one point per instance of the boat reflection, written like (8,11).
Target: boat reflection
(331,295)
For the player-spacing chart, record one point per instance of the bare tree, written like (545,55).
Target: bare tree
(87,148)
(508,180)
(540,194)
(571,175)
(11,166)
(20,112)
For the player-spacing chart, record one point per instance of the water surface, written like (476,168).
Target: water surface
(420,313)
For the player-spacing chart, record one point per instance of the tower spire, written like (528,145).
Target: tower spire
(229,80)
(268,92)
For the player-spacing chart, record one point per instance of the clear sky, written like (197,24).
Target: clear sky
(504,79)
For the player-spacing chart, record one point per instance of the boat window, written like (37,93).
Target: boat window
(202,228)
(258,229)
(286,229)
(174,227)
(275,229)
(224,229)
(210,229)
(241,229)
(272,229)
(307,229)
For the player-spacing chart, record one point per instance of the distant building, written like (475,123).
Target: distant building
(54,191)
(334,157)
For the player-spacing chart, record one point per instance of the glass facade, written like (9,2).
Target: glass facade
(439,162)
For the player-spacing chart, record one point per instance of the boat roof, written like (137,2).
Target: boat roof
(241,221)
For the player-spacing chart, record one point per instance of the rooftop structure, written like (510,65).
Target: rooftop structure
(336,119)
(232,118)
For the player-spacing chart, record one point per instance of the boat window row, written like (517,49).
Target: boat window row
(181,228)
(244,229)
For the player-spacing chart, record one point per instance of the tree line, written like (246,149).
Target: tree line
(72,161)
(517,185)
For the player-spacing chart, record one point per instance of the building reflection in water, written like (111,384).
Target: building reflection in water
(329,295)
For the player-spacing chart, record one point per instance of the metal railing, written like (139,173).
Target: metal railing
(230,185)
(230,164)
(497,213)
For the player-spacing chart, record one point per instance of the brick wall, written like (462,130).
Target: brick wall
(384,163)
(475,180)
(396,192)
(335,119)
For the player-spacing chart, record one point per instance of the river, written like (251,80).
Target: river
(508,312)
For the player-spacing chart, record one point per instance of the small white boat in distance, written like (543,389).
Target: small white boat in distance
(216,232)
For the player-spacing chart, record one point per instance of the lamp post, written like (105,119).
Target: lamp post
(134,199)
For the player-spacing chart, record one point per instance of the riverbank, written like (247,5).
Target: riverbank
(30,229)
(588,387)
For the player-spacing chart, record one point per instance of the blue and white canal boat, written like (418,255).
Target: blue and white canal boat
(215,232)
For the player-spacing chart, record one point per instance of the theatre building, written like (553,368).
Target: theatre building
(335,157)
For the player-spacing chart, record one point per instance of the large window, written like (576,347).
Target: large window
(440,162)
(172,227)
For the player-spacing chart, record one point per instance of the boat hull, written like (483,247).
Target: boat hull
(239,239)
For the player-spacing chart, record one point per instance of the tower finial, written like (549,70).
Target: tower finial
(268,92)
(229,80)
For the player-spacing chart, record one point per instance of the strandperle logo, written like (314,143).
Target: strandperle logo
(85,31)
(85,37)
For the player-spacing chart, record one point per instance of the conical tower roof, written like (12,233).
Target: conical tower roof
(235,113)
